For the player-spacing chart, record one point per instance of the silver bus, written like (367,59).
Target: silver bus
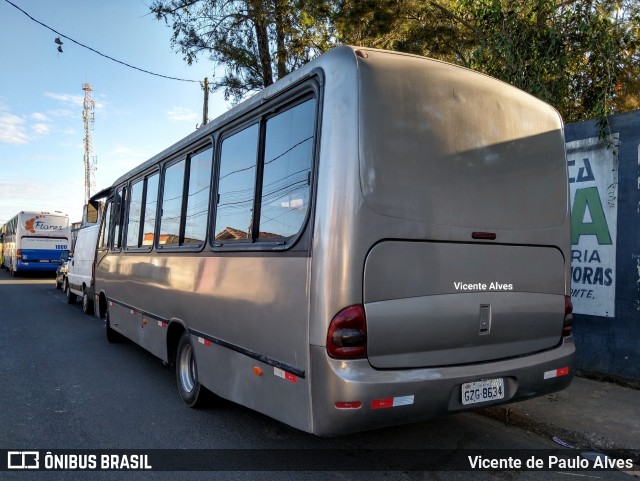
(375,239)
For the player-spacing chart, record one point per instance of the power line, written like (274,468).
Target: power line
(100,53)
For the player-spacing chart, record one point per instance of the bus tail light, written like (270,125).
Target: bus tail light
(19,254)
(568,316)
(347,336)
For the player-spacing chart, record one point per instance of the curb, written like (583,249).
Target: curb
(578,439)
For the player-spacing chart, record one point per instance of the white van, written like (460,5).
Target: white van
(79,281)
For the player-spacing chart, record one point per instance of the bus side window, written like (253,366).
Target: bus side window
(173,187)
(118,215)
(150,207)
(236,185)
(288,156)
(135,211)
(106,223)
(197,212)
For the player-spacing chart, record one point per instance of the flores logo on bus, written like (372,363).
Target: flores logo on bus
(34,224)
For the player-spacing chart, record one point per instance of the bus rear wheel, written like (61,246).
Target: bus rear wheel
(191,391)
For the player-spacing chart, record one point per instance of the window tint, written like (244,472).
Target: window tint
(172,204)
(150,206)
(198,197)
(118,212)
(288,155)
(135,211)
(106,223)
(236,185)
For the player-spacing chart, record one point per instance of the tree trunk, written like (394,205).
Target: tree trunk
(261,23)
(280,19)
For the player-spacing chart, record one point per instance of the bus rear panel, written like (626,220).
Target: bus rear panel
(34,241)
(453,240)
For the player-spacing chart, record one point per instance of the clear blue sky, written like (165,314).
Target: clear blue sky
(136,116)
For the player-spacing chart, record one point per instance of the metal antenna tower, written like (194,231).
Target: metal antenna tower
(88,116)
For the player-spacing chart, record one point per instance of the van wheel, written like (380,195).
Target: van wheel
(189,388)
(71,297)
(112,336)
(87,304)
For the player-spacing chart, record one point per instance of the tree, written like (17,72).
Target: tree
(579,55)
(574,54)
(256,41)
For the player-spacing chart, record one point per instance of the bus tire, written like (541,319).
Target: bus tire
(87,304)
(71,297)
(191,391)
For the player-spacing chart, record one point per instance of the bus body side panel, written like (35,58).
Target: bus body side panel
(339,200)
(242,311)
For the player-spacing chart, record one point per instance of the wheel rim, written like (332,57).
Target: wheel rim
(187,367)
(85,301)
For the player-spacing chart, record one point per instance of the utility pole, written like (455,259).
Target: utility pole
(205,106)
(88,116)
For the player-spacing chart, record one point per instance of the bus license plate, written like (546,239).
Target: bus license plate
(481,391)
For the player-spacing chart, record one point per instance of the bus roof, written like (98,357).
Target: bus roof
(335,60)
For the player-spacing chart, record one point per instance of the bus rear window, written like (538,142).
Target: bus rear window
(459,153)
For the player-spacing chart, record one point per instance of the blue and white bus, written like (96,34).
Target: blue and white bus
(34,241)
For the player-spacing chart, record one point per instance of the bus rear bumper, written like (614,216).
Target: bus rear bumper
(351,396)
(22,266)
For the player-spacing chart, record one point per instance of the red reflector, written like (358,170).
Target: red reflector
(19,254)
(484,235)
(563,371)
(382,403)
(348,405)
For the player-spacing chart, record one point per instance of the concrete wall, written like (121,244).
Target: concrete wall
(605,196)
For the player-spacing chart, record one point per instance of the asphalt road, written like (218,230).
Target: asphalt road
(62,386)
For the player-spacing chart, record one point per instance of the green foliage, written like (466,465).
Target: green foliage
(579,55)
(572,54)
(255,41)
